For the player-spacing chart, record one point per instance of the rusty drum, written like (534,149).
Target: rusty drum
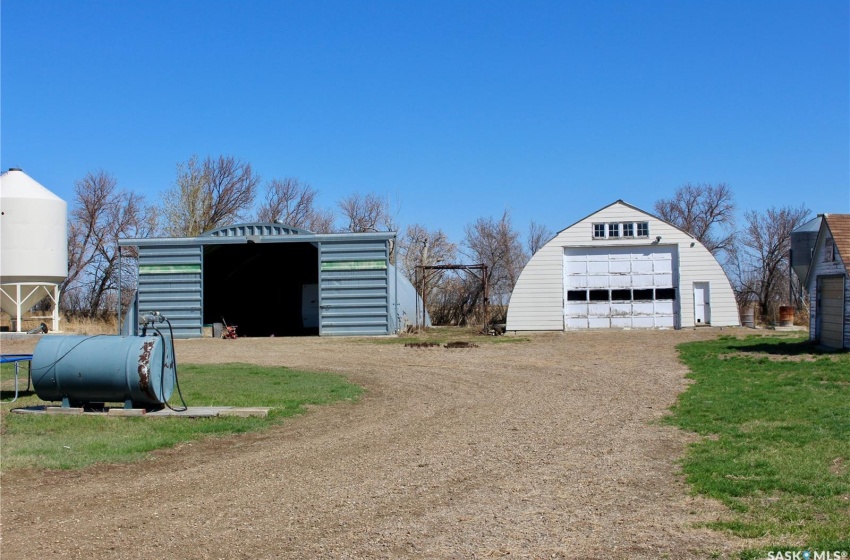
(786,316)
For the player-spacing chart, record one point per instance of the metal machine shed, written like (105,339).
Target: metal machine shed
(268,280)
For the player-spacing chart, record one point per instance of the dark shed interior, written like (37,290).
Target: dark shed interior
(260,288)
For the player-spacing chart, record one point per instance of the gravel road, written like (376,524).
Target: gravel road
(546,448)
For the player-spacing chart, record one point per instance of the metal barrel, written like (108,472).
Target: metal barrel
(748,318)
(786,315)
(104,368)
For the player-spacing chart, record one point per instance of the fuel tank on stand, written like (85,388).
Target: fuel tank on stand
(135,370)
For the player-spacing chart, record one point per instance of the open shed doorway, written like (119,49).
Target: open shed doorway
(260,288)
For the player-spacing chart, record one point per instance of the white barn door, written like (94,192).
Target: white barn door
(620,287)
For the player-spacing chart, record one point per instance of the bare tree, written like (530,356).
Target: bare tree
(208,194)
(420,246)
(705,211)
(452,300)
(291,202)
(369,212)
(322,221)
(495,243)
(100,215)
(538,236)
(759,260)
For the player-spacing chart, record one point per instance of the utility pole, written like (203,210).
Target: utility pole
(424,279)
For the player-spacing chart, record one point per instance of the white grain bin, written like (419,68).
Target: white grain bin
(33,245)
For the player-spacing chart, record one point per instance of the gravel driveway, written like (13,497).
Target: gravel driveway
(539,449)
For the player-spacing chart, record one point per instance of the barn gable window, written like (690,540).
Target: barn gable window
(615,230)
(829,250)
(599,231)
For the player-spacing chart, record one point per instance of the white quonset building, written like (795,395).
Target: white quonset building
(621,267)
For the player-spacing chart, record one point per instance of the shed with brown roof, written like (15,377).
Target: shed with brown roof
(828,283)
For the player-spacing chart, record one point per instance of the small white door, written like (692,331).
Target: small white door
(702,303)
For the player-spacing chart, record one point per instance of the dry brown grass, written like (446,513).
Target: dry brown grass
(67,325)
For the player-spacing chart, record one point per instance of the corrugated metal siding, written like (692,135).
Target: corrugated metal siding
(254,230)
(171,282)
(354,288)
(537,301)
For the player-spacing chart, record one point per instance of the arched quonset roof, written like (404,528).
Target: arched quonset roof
(539,300)
(257,228)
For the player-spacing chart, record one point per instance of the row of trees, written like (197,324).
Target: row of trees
(213,192)
(755,257)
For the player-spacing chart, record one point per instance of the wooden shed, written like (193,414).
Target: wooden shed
(828,283)
(621,267)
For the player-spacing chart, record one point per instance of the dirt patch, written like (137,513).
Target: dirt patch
(461,344)
(542,449)
(769,357)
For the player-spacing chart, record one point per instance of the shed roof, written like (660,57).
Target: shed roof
(276,229)
(839,227)
(258,232)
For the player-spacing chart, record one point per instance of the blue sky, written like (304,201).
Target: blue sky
(454,110)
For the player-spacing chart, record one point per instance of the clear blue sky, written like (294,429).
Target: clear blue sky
(455,110)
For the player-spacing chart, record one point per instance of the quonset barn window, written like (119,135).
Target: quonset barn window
(621,295)
(665,293)
(643,295)
(598,295)
(599,231)
(613,230)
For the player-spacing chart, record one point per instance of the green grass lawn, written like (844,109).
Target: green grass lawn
(775,416)
(72,442)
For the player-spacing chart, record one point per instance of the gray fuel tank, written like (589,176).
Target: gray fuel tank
(137,370)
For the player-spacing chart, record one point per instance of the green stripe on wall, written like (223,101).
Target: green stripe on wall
(169,269)
(354,265)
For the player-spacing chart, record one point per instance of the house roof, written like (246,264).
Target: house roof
(839,227)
